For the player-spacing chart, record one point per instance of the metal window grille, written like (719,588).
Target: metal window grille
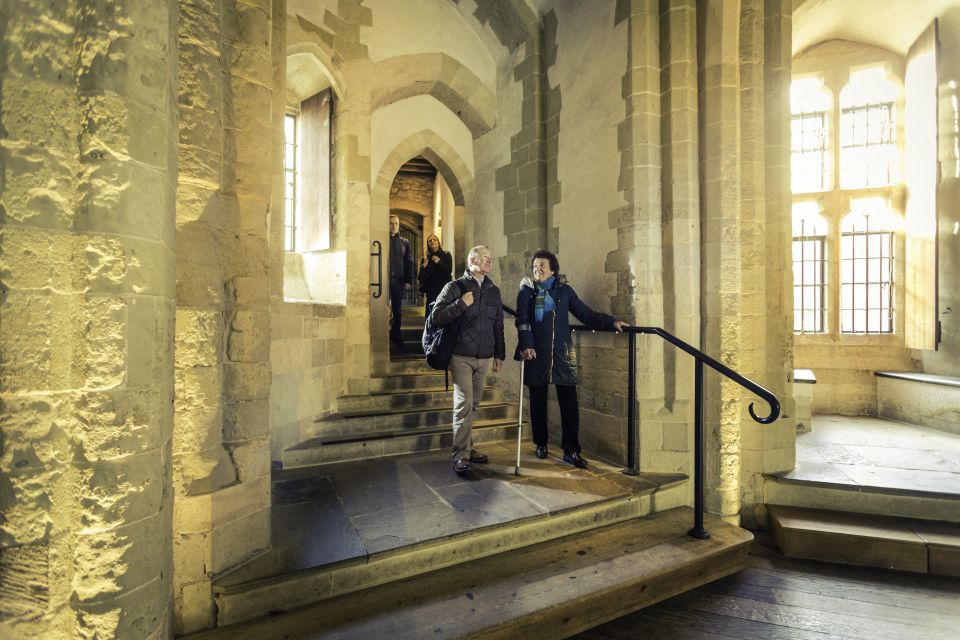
(867,146)
(291,174)
(808,146)
(809,284)
(866,277)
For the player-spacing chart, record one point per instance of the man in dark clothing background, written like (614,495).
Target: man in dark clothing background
(401,275)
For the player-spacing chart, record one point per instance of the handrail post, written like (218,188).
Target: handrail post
(698,531)
(632,469)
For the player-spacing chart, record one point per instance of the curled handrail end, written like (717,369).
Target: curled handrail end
(774,412)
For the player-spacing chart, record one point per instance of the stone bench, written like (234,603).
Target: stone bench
(803,381)
(919,398)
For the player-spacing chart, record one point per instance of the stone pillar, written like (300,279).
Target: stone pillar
(366,349)
(765,55)
(681,225)
(86,300)
(753,237)
(721,306)
(780,438)
(221,434)
(637,261)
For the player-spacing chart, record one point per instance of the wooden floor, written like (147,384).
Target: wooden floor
(776,598)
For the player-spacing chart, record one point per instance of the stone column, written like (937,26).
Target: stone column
(681,224)
(86,299)
(780,441)
(637,261)
(753,236)
(221,435)
(721,307)
(765,239)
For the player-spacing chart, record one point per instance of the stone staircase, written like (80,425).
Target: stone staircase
(407,410)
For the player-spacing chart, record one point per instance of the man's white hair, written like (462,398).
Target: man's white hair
(475,254)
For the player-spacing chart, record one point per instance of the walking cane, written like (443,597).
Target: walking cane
(516,471)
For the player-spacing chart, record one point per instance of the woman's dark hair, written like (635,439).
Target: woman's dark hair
(547,255)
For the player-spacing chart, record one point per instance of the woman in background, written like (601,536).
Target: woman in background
(436,270)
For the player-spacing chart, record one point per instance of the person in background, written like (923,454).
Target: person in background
(479,339)
(545,343)
(436,270)
(401,275)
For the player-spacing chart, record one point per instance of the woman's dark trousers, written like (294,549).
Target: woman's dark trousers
(569,416)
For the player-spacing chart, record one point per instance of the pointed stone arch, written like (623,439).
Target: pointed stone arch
(323,59)
(440,76)
(439,152)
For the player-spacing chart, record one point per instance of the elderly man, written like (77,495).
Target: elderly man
(401,275)
(479,339)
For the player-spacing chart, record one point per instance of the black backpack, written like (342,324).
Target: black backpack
(438,341)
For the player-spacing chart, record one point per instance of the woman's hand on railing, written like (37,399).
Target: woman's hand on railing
(528,354)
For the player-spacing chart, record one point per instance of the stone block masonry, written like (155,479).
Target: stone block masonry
(87,306)
(221,443)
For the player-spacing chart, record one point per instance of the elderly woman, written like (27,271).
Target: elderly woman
(544,341)
(436,270)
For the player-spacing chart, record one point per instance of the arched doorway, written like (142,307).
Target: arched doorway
(454,182)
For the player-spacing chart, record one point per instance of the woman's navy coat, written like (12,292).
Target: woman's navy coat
(556,361)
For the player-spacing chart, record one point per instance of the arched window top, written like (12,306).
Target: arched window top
(870,85)
(807,221)
(869,215)
(809,95)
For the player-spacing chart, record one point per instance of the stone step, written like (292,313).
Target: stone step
(905,544)
(406,348)
(412,363)
(865,499)
(376,444)
(553,589)
(364,422)
(405,399)
(413,381)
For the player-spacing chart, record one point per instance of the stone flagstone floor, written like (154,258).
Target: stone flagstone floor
(333,513)
(880,454)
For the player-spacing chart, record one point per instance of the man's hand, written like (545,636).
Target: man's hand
(528,354)
(408,286)
(619,325)
(497,365)
(467,298)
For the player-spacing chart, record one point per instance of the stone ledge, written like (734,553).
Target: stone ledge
(915,376)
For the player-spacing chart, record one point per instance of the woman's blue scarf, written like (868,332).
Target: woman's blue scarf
(544,303)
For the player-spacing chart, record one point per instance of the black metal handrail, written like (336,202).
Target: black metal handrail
(698,530)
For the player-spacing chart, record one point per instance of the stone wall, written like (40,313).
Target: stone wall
(306,358)
(414,193)
(89,170)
